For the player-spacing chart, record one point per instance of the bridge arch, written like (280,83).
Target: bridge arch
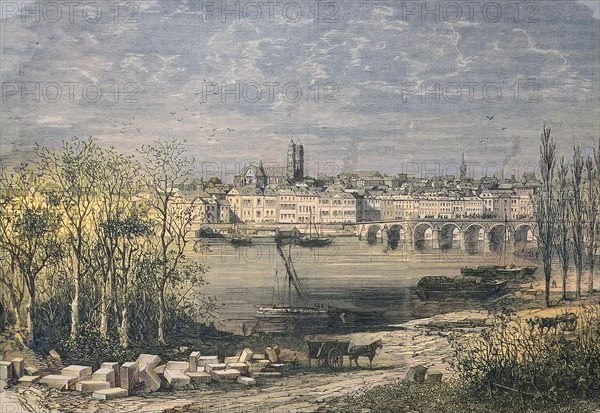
(423,235)
(498,237)
(397,236)
(449,236)
(374,232)
(524,233)
(474,238)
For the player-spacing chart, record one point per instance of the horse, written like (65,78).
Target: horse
(369,351)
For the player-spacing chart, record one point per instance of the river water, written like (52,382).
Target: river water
(347,274)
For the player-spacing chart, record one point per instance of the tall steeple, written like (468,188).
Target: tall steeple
(299,162)
(463,168)
(291,161)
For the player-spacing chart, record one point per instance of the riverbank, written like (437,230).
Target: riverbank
(305,389)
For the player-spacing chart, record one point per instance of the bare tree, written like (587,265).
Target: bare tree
(118,186)
(563,222)
(29,231)
(578,217)
(545,211)
(591,217)
(166,166)
(73,174)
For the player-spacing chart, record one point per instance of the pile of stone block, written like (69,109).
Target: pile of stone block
(147,374)
(17,370)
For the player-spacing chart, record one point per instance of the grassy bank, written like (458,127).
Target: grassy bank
(445,397)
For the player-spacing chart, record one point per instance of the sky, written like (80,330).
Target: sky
(396,86)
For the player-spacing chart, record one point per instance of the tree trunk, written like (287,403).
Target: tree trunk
(547,277)
(124,329)
(31,317)
(564,283)
(161,318)
(75,310)
(103,313)
(591,277)
(578,271)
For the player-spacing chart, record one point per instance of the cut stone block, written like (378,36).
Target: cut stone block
(200,377)
(147,360)
(58,381)
(18,367)
(76,371)
(222,375)
(108,394)
(32,371)
(29,379)
(150,379)
(90,386)
(194,355)
(160,370)
(176,378)
(246,355)
(182,366)
(54,355)
(129,375)
(6,370)
(259,363)
(258,357)
(104,375)
(434,377)
(115,366)
(273,354)
(266,374)
(246,381)
(276,366)
(233,359)
(241,367)
(416,374)
(217,366)
(204,360)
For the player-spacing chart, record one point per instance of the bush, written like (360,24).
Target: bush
(445,397)
(89,349)
(519,358)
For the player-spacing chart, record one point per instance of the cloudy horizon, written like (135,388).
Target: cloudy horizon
(380,85)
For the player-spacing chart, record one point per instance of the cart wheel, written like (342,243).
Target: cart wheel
(335,358)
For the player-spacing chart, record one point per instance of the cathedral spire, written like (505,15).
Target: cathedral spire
(463,168)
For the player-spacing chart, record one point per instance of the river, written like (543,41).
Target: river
(347,274)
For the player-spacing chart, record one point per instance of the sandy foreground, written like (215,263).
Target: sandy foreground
(415,342)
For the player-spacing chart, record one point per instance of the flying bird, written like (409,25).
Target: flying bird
(230,130)
(490,118)
(503,128)
(172,113)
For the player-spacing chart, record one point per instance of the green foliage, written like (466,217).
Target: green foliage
(445,397)
(90,349)
(515,358)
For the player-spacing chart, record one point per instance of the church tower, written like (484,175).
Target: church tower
(299,162)
(291,161)
(463,169)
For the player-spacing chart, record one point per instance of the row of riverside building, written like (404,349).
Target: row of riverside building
(272,194)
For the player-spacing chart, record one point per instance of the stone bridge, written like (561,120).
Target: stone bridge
(474,235)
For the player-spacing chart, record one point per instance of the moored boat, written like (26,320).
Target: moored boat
(440,287)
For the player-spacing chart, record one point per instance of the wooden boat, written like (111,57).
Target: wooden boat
(314,240)
(294,297)
(439,287)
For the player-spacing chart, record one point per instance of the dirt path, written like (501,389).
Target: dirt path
(411,343)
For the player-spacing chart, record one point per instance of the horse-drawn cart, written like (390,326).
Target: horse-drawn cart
(327,353)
